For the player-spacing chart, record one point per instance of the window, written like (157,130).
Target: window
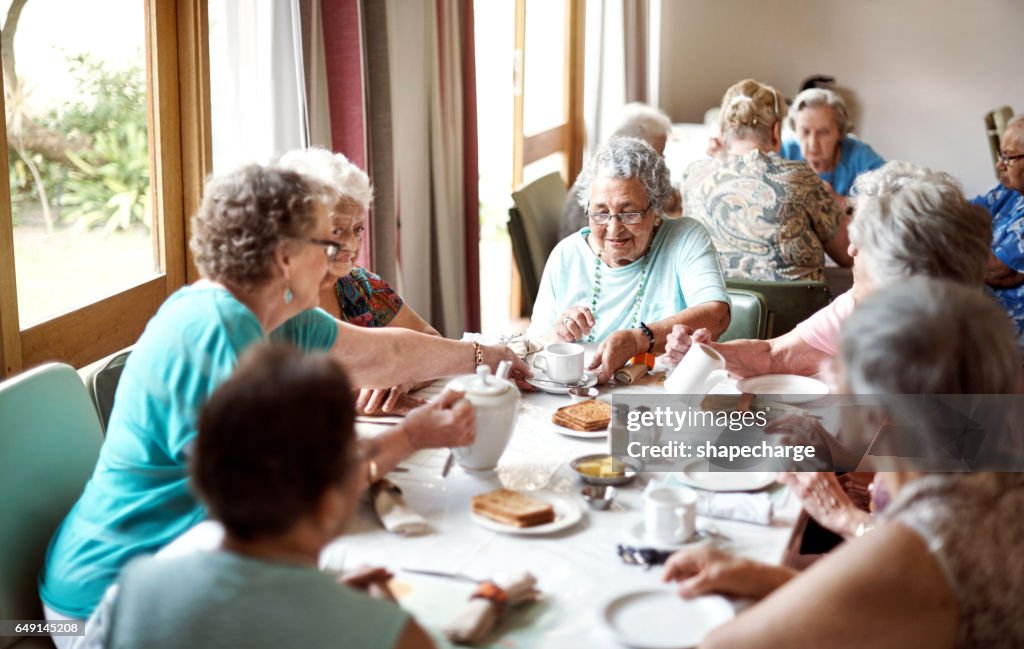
(107,142)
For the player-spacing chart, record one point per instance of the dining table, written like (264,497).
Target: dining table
(578,569)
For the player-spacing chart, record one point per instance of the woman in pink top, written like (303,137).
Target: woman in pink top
(909,221)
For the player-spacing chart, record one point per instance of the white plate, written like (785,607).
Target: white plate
(790,388)
(698,474)
(638,535)
(658,618)
(589,380)
(568,512)
(581,434)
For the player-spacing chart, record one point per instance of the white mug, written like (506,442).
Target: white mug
(699,371)
(670,515)
(563,362)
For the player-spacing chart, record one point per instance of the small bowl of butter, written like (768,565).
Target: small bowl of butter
(603,469)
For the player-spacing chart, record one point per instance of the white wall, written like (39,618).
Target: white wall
(922,72)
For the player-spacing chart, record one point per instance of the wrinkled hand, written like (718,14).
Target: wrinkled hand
(370,580)
(443,423)
(705,570)
(799,430)
(574,324)
(389,401)
(613,353)
(826,502)
(679,341)
(494,354)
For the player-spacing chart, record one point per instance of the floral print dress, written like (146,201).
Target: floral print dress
(366,300)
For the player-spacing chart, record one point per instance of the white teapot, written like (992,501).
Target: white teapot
(496,401)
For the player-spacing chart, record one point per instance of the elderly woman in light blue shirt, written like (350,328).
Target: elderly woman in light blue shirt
(630,276)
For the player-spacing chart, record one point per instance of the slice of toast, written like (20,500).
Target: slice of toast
(513,508)
(584,416)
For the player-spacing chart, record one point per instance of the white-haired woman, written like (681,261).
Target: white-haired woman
(770,218)
(641,121)
(907,221)
(628,277)
(349,292)
(941,568)
(819,120)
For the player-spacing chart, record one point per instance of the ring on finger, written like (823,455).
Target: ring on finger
(567,321)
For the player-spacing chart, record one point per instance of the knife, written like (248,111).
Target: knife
(446,575)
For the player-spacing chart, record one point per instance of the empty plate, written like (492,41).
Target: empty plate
(658,618)
(699,474)
(790,388)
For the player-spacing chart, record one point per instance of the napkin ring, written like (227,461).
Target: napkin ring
(491,591)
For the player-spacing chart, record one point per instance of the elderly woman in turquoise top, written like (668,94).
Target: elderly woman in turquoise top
(261,242)
(630,276)
(351,293)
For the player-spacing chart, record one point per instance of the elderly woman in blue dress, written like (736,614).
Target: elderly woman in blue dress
(630,276)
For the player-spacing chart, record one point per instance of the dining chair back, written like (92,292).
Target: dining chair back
(50,438)
(539,210)
(749,317)
(789,303)
(995,123)
(102,384)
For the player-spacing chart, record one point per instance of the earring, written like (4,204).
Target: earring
(288,295)
(657,221)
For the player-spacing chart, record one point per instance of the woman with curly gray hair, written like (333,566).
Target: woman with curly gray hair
(629,277)
(261,242)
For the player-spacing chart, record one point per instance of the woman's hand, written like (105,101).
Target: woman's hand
(373,581)
(705,570)
(389,401)
(679,341)
(615,351)
(574,323)
(494,354)
(829,452)
(826,502)
(445,422)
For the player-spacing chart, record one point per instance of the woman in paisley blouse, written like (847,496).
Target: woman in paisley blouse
(349,292)
(941,567)
(769,218)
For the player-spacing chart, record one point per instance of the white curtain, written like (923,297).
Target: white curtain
(257,82)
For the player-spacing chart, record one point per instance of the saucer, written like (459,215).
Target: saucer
(541,381)
(639,535)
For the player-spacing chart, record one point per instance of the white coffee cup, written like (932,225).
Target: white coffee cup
(670,515)
(562,362)
(699,371)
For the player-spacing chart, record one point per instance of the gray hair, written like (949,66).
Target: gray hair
(627,157)
(1017,122)
(910,220)
(643,121)
(931,337)
(246,214)
(332,169)
(817,97)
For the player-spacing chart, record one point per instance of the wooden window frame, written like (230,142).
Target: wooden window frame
(177,65)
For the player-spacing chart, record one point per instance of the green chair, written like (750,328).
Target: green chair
(50,438)
(533,227)
(749,316)
(789,303)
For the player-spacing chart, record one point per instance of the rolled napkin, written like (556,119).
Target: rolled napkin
(487,604)
(394,513)
(746,508)
(630,373)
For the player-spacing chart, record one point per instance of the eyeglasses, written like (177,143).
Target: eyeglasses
(625,218)
(332,248)
(1008,158)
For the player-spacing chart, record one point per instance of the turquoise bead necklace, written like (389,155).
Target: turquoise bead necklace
(638,296)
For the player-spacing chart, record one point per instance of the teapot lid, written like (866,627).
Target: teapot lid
(481,383)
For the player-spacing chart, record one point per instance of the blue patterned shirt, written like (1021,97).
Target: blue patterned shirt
(1007,209)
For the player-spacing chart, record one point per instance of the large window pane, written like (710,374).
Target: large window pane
(544,73)
(78,154)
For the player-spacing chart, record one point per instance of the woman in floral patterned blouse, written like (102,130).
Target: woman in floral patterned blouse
(770,218)
(349,292)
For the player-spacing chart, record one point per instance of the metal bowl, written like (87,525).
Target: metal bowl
(598,497)
(628,475)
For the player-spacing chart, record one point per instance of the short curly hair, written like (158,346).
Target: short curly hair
(627,157)
(246,214)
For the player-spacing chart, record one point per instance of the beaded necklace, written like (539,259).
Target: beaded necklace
(638,296)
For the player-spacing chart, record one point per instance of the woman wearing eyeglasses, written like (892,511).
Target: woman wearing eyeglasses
(630,276)
(261,240)
(1005,202)
(349,292)
(770,218)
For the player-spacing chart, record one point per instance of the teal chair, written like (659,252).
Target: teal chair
(749,316)
(50,438)
(789,303)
